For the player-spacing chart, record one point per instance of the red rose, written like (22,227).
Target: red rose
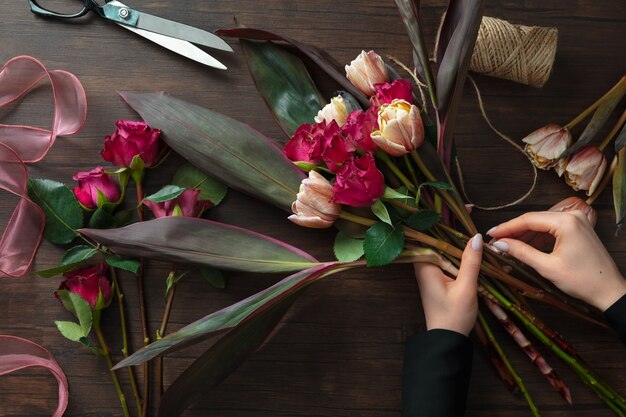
(358,130)
(358,183)
(131,139)
(333,148)
(93,182)
(88,282)
(185,205)
(399,89)
(304,144)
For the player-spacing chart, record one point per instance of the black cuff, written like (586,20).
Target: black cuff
(616,315)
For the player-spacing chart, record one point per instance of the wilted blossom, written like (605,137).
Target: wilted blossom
(400,128)
(185,205)
(89,283)
(93,183)
(335,110)
(305,142)
(399,89)
(366,70)
(545,146)
(131,139)
(314,206)
(358,130)
(358,183)
(585,169)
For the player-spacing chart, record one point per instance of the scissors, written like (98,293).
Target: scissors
(176,37)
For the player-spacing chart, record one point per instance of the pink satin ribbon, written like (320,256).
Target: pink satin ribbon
(17,353)
(26,144)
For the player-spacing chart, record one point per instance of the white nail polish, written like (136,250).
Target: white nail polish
(490,231)
(477,242)
(503,246)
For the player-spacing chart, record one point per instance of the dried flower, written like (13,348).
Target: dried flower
(95,188)
(185,205)
(314,206)
(335,110)
(585,169)
(400,128)
(358,183)
(90,283)
(367,70)
(545,146)
(131,139)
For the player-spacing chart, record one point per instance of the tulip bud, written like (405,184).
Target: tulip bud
(336,110)
(314,207)
(400,128)
(545,146)
(585,169)
(95,188)
(367,70)
(185,205)
(91,284)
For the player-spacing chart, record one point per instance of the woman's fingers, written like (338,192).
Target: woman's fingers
(470,264)
(429,277)
(541,221)
(523,252)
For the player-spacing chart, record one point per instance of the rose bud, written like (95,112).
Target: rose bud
(545,146)
(95,188)
(399,89)
(185,205)
(336,110)
(358,130)
(89,283)
(131,139)
(314,206)
(304,145)
(358,183)
(400,128)
(585,169)
(365,71)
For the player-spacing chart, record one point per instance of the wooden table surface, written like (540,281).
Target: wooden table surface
(339,350)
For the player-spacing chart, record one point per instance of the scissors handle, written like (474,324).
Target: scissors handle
(88,6)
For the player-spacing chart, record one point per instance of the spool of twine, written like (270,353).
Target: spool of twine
(524,54)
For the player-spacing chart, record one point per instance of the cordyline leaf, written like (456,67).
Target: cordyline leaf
(234,315)
(620,141)
(599,118)
(317,55)
(231,151)
(221,360)
(203,242)
(284,83)
(619,189)
(188,176)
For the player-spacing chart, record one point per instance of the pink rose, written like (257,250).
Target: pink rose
(185,205)
(88,282)
(131,139)
(399,89)
(333,148)
(358,183)
(358,130)
(92,182)
(304,144)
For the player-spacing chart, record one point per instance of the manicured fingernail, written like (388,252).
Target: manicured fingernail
(502,246)
(477,242)
(490,231)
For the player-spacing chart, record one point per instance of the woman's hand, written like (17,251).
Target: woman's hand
(578,264)
(451,304)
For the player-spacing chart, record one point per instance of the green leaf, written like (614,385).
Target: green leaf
(391,194)
(284,83)
(620,140)
(423,219)
(70,330)
(62,211)
(380,211)
(79,307)
(131,265)
(167,193)
(347,249)
(188,176)
(102,218)
(619,189)
(203,242)
(383,243)
(437,184)
(214,277)
(231,151)
(73,257)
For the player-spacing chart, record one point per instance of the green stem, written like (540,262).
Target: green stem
(507,363)
(163,329)
(613,131)
(394,168)
(131,372)
(620,84)
(409,166)
(107,355)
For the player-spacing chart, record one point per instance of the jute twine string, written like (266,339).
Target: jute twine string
(524,54)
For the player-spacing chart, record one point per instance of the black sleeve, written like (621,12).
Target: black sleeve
(437,368)
(616,315)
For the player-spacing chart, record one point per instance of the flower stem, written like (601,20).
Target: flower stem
(409,166)
(620,84)
(107,354)
(163,329)
(613,131)
(131,373)
(394,168)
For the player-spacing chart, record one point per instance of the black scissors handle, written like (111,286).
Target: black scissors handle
(88,6)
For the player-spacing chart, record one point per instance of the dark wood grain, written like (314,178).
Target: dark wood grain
(339,350)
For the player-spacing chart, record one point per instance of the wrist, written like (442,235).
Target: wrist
(612,294)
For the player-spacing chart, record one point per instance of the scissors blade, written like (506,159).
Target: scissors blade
(181,47)
(181,31)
